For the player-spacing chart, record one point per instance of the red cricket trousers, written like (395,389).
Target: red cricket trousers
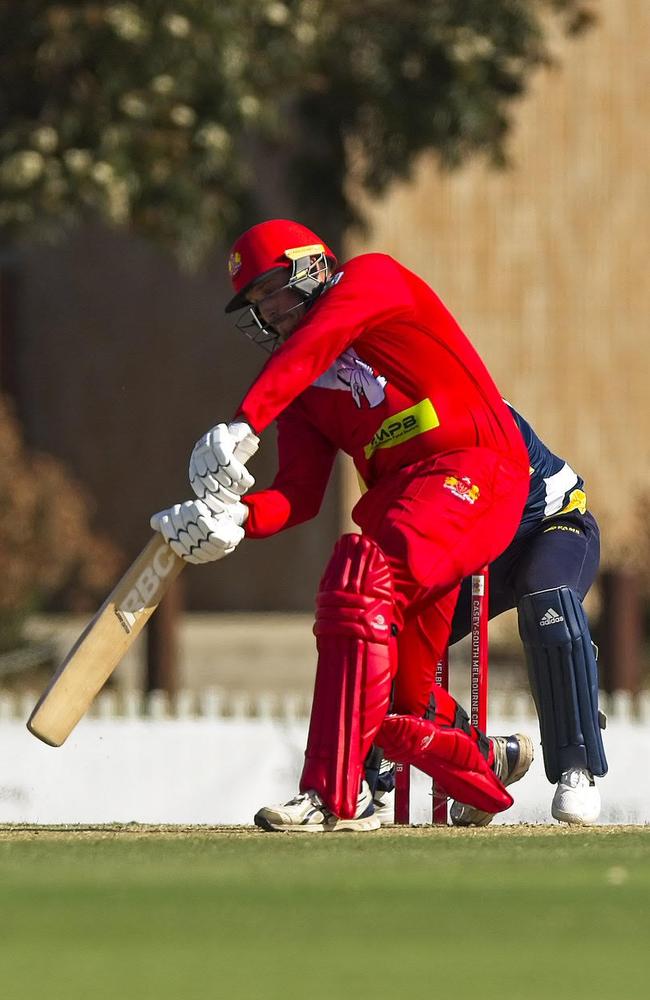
(438,522)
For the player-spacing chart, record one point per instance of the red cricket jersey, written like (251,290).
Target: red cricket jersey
(381,370)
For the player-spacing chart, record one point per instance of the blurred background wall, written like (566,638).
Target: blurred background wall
(545,264)
(120,363)
(545,267)
(117,361)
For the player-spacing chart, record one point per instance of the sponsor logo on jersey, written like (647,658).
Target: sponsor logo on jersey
(563,527)
(234,264)
(350,373)
(577,501)
(463,488)
(551,618)
(403,426)
(363,381)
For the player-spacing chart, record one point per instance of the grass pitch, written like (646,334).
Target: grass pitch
(171,914)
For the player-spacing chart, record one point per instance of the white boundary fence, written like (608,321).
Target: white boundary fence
(215,703)
(212,758)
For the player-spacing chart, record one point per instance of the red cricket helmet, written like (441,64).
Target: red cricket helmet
(264,248)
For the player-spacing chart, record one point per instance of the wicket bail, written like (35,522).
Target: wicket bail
(478,700)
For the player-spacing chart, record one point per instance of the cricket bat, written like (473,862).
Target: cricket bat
(103,643)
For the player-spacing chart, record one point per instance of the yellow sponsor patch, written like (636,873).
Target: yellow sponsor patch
(577,501)
(295,253)
(403,426)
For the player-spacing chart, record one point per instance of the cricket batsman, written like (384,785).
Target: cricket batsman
(366,358)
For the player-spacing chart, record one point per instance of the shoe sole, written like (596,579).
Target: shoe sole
(336,825)
(475,817)
(572,819)
(265,824)
(366,825)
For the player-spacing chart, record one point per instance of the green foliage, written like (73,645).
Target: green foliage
(47,547)
(158,114)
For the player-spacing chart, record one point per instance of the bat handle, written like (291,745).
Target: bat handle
(247,448)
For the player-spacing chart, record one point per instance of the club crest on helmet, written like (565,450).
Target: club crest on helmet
(234,264)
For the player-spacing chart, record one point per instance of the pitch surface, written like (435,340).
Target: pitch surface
(188,913)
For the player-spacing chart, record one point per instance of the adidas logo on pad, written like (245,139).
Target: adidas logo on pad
(551,618)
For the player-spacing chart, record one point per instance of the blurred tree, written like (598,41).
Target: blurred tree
(155,114)
(46,545)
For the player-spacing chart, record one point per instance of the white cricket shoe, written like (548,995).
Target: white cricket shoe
(384,797)
(306,813)
(364,819)
(576,799)
(384,803)
(513,755)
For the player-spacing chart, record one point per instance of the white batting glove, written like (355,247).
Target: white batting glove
(217,471)
(237,512)
(195,533)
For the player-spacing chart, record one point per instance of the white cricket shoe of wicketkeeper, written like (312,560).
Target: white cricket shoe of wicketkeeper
(306,813)
(513,755)
(384,797)
(576,799)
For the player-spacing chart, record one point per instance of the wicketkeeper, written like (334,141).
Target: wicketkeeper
(545,573)
(366,358)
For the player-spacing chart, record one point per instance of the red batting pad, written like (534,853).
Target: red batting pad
(354,674)
(449,756)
